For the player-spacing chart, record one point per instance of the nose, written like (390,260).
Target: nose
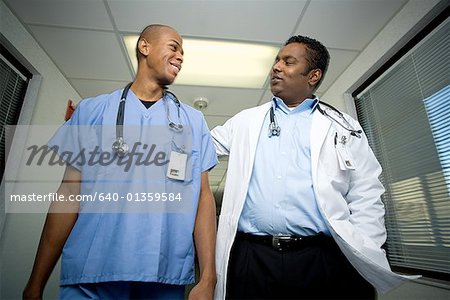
(276,68)
(179,57)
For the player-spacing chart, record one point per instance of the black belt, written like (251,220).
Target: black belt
(285,242)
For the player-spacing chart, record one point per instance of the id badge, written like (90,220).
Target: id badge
(177,166)
(345,160)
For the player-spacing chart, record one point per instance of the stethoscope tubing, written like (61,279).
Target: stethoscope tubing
(274,128)
(121,111)
(119,146)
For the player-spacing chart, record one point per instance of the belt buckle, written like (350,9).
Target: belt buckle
(276,241)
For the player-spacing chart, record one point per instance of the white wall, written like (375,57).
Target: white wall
(44,104)
(410,20)
(403,26)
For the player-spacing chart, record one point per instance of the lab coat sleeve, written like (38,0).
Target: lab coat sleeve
(365,189)
(222,137)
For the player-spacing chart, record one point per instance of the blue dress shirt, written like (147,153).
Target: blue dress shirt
(280,198)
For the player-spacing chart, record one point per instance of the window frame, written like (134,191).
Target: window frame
(25,116)
(374,78)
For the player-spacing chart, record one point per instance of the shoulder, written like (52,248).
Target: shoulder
(191,112)
(252,112)
(92,108)
(99,100)
(194,117)
(337,114)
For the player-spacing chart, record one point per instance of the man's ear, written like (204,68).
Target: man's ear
(144,47)
(314,77)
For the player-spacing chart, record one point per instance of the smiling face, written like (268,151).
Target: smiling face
(291,79)
(162,55)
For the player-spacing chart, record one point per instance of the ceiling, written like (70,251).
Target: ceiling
(84,39)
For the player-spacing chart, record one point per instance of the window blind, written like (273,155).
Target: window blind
(405,115)
(12,90)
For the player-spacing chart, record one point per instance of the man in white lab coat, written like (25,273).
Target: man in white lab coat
(301,215)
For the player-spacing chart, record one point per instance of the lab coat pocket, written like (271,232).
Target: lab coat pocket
(338,177)
(334,167)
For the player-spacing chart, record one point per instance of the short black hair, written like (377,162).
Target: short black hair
(317,54)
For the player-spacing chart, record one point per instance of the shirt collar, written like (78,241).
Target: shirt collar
(308,104)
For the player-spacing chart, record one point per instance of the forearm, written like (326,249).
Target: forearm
(205,234)
(54,235)
(58,225)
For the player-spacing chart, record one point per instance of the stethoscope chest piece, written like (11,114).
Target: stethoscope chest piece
(175,127)
(120,147)
(274,130)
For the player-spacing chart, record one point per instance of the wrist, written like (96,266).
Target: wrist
(29,293)
(208,280)
(33,291)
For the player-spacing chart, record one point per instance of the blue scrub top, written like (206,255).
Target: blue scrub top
(129,240)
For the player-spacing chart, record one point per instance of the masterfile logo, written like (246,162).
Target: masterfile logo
(141,181)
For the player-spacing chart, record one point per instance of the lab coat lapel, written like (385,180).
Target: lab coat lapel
(255,128)
(319,129)
(248,141)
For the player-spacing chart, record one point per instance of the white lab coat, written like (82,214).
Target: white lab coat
(349,200)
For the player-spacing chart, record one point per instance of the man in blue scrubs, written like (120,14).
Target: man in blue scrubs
(136,238)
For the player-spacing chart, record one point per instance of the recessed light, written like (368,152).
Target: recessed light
(220,63)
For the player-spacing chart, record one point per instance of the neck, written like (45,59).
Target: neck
(147,90)
(292,104)
(296,102)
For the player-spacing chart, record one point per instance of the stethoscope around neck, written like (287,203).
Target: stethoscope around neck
(120,147)
(275,129)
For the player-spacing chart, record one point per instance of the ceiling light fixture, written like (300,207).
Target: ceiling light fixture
(219,63)
(200,103)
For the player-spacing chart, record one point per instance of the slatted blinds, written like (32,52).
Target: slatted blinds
(13,85)
(406,115)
